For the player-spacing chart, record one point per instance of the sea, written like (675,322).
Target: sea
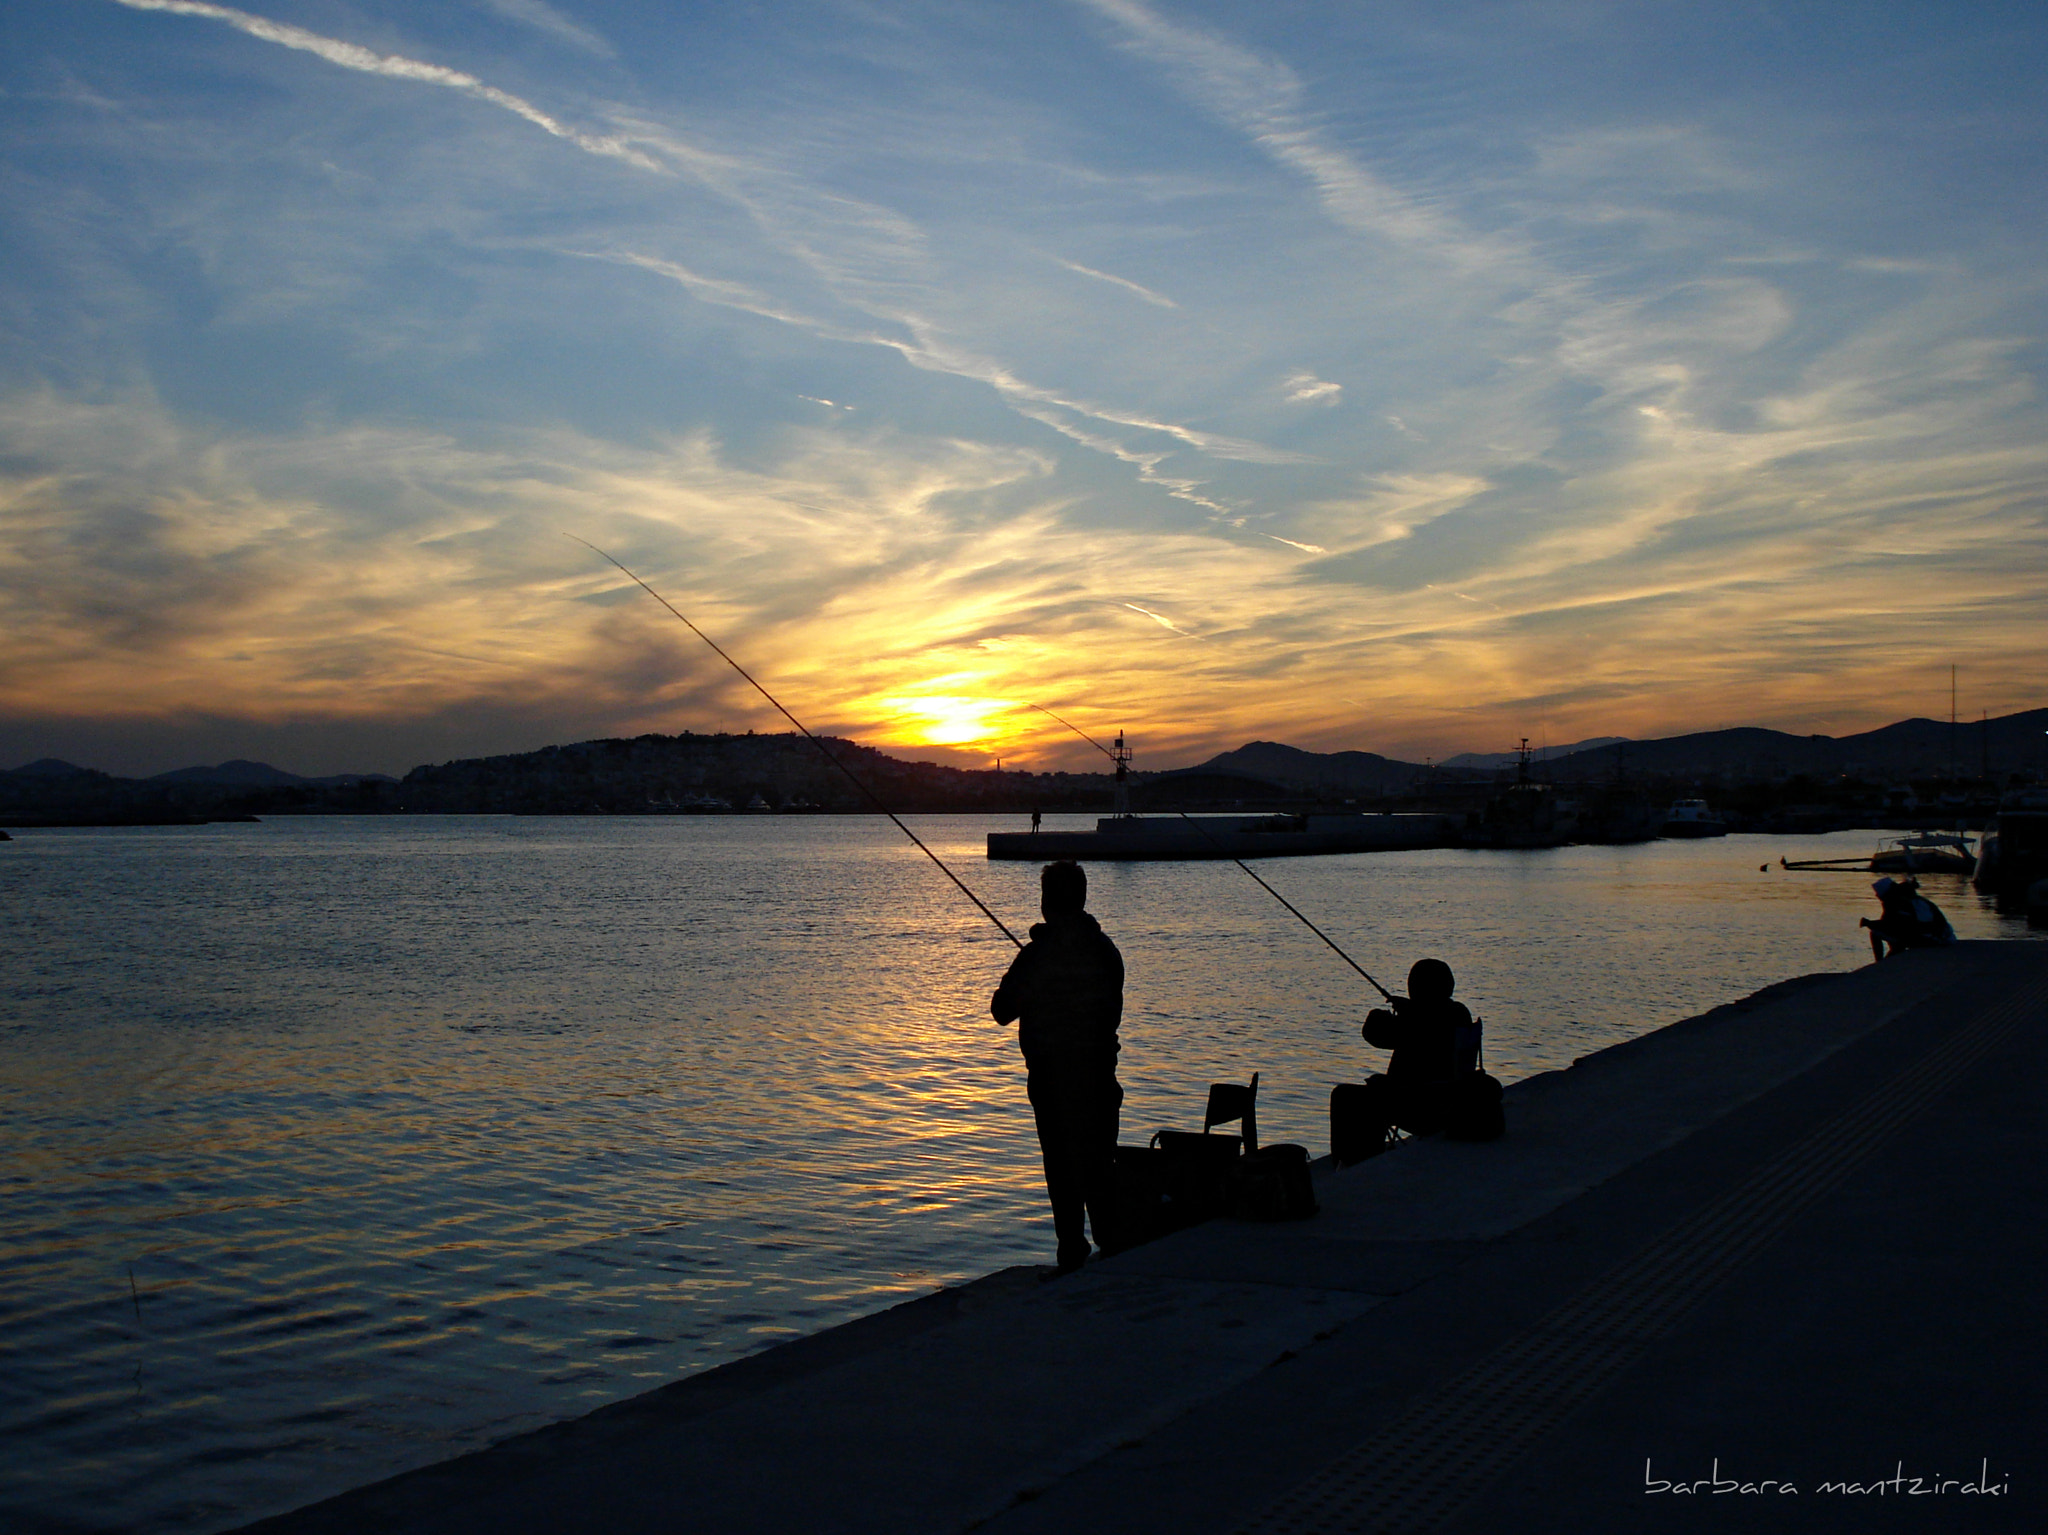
(337,1146)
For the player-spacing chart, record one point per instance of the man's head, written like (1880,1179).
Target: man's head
(1062,889)
(1430,980)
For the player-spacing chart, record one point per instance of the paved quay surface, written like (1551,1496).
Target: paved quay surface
(1801,1239)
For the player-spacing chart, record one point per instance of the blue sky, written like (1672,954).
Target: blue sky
(1401,377)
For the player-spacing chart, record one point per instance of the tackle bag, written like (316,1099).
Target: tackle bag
(1358,1123)
(1144,1212)
(1272,1184)
(1474,1111)
(1195,1169)
(1180,1179)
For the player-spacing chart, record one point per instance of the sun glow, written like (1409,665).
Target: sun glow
(945,719)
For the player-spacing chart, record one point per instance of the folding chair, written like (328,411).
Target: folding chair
(1228,1101)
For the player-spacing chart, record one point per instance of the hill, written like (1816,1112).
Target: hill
(1337,773)
(1908,750)
(241,773)
(1487,762)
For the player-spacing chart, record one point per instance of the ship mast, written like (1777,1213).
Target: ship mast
(1121,755)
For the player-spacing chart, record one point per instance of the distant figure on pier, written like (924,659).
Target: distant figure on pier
(1433,1081)
(1067,987)
(1908,920)
(1034,820)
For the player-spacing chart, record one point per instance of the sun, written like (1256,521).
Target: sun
(948,719)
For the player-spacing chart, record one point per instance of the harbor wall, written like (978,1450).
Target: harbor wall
(1273,836)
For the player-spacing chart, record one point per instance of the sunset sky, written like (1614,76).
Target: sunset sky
(1401,377)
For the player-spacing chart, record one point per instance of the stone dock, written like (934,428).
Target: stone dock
(1781,1266)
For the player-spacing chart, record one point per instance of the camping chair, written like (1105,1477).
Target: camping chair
(1228,1101)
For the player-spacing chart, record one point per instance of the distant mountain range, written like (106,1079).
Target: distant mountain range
(1916,748)
(1324,772)
(1909,749)
(238,773)
(1488,761)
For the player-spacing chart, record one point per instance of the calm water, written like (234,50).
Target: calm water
(333,1147)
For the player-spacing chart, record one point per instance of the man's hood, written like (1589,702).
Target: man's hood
(1077,922)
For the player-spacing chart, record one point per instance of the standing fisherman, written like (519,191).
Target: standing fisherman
(1068,988)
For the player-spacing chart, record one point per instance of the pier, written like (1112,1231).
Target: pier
(1796,1241)
(1132,837)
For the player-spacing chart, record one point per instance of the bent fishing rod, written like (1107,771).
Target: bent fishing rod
(1276,895)
(851,776)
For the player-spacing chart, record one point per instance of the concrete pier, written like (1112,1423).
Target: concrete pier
(1181,839)
(1796,1242)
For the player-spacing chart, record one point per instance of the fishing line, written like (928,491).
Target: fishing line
(851,776)
(1276,895)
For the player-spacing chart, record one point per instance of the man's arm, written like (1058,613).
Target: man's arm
(1385,1030)
(1007,1005)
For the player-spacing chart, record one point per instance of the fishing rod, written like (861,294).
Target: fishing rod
(1276,895)
(851,776)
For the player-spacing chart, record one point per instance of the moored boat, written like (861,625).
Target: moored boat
(1692,818)
(2012,855)
(1925,852)
(1920,853)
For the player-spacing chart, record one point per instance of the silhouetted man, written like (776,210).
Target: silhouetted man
(1068,988)
(1910,920)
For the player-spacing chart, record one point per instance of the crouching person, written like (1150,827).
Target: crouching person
(1432,1082)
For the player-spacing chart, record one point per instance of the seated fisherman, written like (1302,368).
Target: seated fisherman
(1436,1055)
(1909,920)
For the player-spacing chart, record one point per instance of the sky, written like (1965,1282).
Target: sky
(1403,377)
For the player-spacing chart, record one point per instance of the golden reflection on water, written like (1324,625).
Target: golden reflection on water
(419,1132)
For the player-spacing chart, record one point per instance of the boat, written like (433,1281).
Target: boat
(1925,852)
(1692,818)
(2012,855)
(1526,814)
(1928,852)
(1615,813)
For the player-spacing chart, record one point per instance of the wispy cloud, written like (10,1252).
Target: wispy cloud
(397,67)
(1649,413)
(1143,292)
(1307,389)
(1263,98)
(1161,619)
(542,17)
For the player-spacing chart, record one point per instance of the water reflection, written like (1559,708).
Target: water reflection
(420,1132)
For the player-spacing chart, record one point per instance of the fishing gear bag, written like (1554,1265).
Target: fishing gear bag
(1272,1184)
(1360,1125)
(1146,1209)
(1185,1176)
(1180,1179)
(1474,1112)
(1195,1172)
